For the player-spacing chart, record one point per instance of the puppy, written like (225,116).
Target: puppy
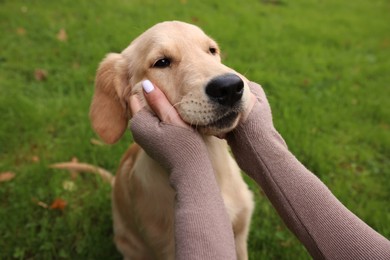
(185,64)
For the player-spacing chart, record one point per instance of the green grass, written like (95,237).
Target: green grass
(325,66)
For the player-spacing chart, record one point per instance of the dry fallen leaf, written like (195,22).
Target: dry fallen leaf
(195,19)
(39,203)
(62,35)
(6,176)
(59,204)
(35,158)
(76,65)
(21,31)
(40,74)
(97,142)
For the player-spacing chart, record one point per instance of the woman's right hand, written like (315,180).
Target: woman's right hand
(161,132)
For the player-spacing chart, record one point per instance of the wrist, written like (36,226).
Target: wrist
(257,130)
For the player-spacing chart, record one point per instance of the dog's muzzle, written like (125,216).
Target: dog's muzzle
(225,92)
(226,89)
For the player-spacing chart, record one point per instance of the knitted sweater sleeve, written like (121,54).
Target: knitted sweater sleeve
(202,226)
(322,223)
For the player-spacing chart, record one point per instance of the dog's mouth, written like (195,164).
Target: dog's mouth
(225,121)
(223,124)
(209,117)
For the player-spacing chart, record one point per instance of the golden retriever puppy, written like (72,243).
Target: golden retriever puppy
(185,64)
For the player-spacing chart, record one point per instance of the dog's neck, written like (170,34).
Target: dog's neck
(220,157)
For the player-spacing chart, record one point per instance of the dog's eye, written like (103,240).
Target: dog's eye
(162,63)
(213,50)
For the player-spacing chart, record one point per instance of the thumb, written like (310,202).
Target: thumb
(159,103)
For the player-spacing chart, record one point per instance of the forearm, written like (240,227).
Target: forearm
(202,226)
(326,228)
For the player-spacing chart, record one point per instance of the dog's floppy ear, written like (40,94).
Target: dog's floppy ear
(108,112)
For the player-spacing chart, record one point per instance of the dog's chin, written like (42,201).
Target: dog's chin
(220,126)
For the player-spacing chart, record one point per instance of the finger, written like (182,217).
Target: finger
(257,90)
(159,103)
(135,105)
(250,104)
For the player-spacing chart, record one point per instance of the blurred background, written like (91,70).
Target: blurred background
(325,66)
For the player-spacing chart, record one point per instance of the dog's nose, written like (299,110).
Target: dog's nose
(226,89)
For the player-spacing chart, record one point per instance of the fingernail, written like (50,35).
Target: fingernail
(147,86)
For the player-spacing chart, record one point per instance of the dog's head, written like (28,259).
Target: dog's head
(186,65)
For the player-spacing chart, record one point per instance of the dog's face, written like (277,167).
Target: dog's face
(186,65)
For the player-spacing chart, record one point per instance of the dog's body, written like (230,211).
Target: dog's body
(182,61)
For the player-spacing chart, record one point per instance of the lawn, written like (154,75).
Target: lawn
(325,66)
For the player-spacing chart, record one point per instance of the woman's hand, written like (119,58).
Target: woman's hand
(159,105)
(164,133)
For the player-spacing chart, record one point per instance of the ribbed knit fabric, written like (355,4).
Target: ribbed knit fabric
(325,227)
(202,226)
